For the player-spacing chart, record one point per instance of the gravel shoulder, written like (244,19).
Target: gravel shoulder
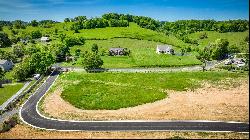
(25,132)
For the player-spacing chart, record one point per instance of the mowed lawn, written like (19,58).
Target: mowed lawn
(143,54)
(8,90)
(92,91)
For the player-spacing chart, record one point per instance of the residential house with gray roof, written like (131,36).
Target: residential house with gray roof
(6,65)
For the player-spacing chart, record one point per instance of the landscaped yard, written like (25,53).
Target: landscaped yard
(120,90)
(8,90)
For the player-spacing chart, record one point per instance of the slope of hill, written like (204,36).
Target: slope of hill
(143,54)
(142,43)
(234,38)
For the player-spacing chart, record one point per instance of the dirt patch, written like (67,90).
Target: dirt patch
(25,132)
(207,103)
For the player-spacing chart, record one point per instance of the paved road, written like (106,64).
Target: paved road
(29,115)
(143,70)
(5,104)
(210,65)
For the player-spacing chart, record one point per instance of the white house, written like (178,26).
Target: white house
(166,49)
(6,65)
(45,39)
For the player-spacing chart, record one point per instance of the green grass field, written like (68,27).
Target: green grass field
(143,54)
(133,31)
(236,38)
(120,90)
(8,90)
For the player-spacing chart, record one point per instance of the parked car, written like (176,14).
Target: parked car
(36,76)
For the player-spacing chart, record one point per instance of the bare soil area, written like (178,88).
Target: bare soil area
(207,103)
(25,132)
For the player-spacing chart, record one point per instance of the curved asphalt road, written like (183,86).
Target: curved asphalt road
(29,115)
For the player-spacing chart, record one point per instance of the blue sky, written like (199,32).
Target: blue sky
(163,10)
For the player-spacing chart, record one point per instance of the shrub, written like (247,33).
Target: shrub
(70,41)
(7,125)
(4,40)
(203,35)
(35,34)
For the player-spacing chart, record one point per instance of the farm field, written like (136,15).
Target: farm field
(80,89)
(143,54)
(8,90)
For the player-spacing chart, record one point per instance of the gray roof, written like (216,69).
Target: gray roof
(116,49)
(3,61)
(164,47)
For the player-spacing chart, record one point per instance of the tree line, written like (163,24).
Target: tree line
(178,27)
(19,24)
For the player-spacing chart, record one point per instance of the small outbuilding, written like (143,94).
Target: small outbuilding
(165,49)
(45,39)
(6,65)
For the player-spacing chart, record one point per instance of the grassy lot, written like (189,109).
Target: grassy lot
(142,54)
(236,38)
(8,90)
(119,90)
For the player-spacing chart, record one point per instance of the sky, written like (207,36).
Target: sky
(162,10)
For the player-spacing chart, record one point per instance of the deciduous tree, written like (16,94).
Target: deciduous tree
(92,61)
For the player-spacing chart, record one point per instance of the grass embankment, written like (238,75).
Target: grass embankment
(9,90)
(143,54)
(120,90)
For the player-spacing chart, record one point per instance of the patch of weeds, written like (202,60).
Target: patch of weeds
(203,134)
(10,123)
(177,137)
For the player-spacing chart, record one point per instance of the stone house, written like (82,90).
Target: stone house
(116,51)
